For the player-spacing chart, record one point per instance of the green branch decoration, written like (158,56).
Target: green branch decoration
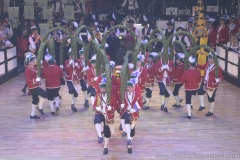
(187,65)
(125,75)
(52,46)
(109,82)
(169,41)
(193,52)
(154,32)
(45,36)
(119,27)
(63,43)
(40,57)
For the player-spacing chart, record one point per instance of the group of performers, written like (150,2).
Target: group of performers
(150,69)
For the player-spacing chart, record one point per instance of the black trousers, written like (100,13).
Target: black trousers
(83,85)
(37,92)
(71,89)
(176,89)
(189,95)
(163,90)
(148,93)
(92,91)
(52,93)
(127,118)
(114,44)
(201,91)
(99,118)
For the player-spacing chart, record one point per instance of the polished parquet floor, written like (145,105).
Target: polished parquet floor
(159,135)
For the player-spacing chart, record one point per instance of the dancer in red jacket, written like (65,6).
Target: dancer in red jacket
(177,76)
(33,83)
(209,84)
(53,74)
(191,78)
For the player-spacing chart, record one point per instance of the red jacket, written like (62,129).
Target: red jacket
(160,73)
(212,35)
(150,72)
(235,28)
(90,78)
(142,77)
(211,82)
(83,75)
(136,98)
(191,78)
(223,34)
(31,75)
(114,82)
(53,74)
(72,73)
(178,72)
(113,103)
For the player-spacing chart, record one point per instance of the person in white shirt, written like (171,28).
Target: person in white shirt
(58,10)
(8,27)
(184,39)
(233,43)
(4,43)
(129,40)
(130,4)
(146,31)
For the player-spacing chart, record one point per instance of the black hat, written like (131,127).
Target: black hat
(144,23)
(169,24)
(180,28)
(63,22)
(111,19)
(131,21)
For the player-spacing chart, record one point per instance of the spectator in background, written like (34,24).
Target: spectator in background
(22,44)
(35,39)
(8,27)
(4,43)
(58,10)
(233,43)
(77,8)
(6,30)
(238,34)
(232,26)
(1,29)
(33,25)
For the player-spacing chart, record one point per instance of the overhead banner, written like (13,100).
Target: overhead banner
(13,13)
(47,14)
(44,27)
(29,12)
(69,12)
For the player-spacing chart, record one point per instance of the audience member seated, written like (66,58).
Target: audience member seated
(22,44)
(233,43)
(58,10)
(4,43)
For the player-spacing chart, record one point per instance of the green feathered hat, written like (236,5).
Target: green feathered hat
(130,84)
(51,61)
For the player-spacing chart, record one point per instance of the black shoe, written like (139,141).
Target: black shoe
(24,91)
(34,117)
(129,142)
(60,97)
(209,114)
(57,110)
(120,127)
(162,108)
(165,109)
(180,100)
(53,113)
(144,102)
(191,107)
(129,150)
(105,151)
(145,107)
(176,106)
(100,140)
(201,108)
(73,108)
(189,117)
(124,134)
(86,104)
(40,111)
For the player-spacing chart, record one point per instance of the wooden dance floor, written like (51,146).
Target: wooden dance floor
(158,135)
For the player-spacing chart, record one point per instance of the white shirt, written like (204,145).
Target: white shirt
(145,32)
(186,40)
(104,99)
(208,71)
(89,36)
(131,4)
(116,33)
(235,48)
(130,99)
(58,7)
